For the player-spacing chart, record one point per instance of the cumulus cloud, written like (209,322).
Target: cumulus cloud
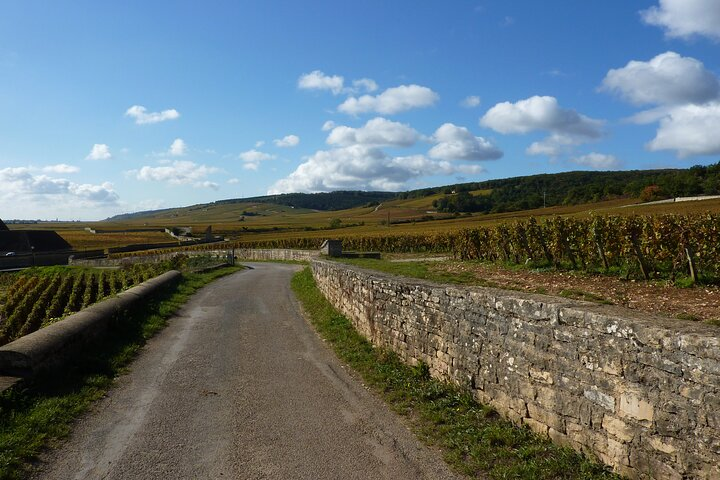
(252,158)
(142,116)
(287,141)
(317,80)
(233,181)
(61,168)
(99,151)
(667,79)
(391,101)
(21,185)
(689,130)
(178,172)
(470,102)
(376,132)
(458,143)
(329,125)
(366,84)
(364,168)
(686,98)
(178,148)
(566,127)
(540,114)
(259,143)
(597,161)
(685,18)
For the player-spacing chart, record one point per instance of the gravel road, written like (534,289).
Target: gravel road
(239,386)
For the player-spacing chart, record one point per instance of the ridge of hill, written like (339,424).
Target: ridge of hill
(489,196)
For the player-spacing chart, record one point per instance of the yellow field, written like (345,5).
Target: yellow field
(279,221)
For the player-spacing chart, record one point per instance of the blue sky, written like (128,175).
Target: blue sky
(112,107)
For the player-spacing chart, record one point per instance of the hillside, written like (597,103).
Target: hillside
(490,196)
(572,188)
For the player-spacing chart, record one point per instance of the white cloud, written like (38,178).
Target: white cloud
(207,184)
(102,193)
(142,116)
(259,143)
(685,18)
(391,101)
(364,168)
(470,102)
(667,79)
(99,151)
(566,127)
(22,187)
(233,181)
(179,172)
(366,84)
(555,144)
(317,80)
(252,158)
(458,143)
(178,148)
(287,141)
(329,125)
(61,168)
(540,114)
(376,132)
(597,161)
(690,130)
(687,96)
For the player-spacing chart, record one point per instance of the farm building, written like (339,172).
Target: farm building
(28,241)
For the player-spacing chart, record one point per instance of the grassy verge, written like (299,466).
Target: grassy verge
(38,413)
(473,438)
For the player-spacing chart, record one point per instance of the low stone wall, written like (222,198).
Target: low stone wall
(276,254)
(51,347)
(240,254)
(642,393)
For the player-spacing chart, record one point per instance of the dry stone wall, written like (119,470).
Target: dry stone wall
(641,393)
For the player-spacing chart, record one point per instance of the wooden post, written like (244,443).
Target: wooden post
(641,259)
(691,264)
(602,255)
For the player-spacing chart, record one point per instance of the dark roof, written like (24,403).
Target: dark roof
(21,241)
(3,227)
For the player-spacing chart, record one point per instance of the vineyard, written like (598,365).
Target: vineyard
(38,299)
(648,246)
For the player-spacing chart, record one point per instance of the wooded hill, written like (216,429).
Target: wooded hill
(573,188)
(511,194)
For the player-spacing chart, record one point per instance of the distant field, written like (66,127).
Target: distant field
(84,240)
(262,221)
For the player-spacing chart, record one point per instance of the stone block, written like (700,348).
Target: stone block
(617,428)
(535,426)
(634,406)
(600,398)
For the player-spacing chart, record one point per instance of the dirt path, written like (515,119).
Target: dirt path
(239,386)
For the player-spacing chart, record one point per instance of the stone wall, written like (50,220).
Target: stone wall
(641,393)
(276,254)
(240,254)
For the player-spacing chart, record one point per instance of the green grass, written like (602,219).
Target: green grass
(35,414)
(473,438)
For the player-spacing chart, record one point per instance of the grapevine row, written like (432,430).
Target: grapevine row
(35,301)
